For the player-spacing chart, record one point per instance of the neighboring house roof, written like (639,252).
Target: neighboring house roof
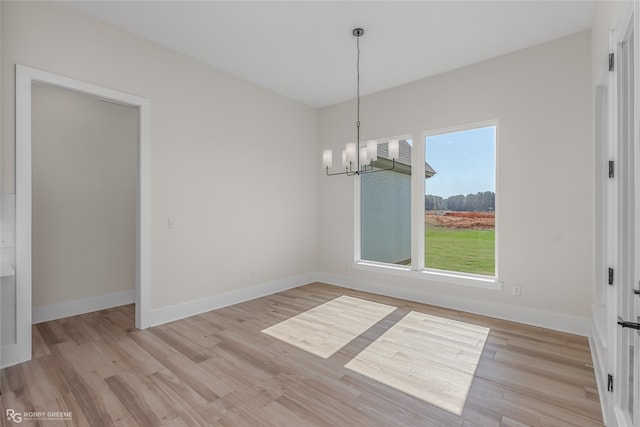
(403,163)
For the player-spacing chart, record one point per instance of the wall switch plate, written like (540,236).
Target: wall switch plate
(6,239)
(171,223)
(516,290)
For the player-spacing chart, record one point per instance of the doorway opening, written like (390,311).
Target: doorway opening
(26,78)
(83,175)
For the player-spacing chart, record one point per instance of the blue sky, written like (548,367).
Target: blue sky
(464,162)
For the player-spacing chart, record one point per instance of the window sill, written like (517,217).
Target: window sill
(461,279)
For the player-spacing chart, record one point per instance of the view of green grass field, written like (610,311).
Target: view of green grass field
(460,246)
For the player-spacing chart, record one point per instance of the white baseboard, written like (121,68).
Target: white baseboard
(45,313)
(191,308)
(557,321)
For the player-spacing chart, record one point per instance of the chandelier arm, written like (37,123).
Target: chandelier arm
(335,173)
(346,172)
(349,172)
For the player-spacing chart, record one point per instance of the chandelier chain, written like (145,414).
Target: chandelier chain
(358,78)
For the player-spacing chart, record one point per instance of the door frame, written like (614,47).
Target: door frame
(25,77)
(619,241)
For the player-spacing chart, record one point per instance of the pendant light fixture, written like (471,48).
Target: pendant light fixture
(357,160)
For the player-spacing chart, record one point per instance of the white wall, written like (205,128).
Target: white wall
(84,178)
(233,163)
(542,99)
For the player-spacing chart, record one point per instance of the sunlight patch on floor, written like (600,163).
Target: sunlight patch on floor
(429,357)
(325,329)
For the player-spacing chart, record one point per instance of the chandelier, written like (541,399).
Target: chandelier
(357,160)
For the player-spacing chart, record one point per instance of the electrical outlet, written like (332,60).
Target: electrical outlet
(515,290)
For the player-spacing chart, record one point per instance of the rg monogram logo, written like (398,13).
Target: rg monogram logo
(14,416)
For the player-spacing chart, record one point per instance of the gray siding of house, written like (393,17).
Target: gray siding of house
(386,217)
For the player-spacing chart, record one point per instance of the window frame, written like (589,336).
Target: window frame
(417,269)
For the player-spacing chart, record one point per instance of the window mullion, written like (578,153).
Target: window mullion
(417,201)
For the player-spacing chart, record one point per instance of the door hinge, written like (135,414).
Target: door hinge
(611,169)
(610,382)
(611,61)
(610,276)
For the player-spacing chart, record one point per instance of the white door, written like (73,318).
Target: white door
(627,390)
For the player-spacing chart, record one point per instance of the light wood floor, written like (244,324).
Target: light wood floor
(219,369)
(429,357)
(327,328)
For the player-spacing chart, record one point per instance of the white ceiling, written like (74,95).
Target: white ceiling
(305,50)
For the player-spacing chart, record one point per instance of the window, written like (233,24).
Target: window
(460,201)
(385,206)
(435,213)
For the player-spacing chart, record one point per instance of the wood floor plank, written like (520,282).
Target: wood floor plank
(199,331)
(40,348)
(219,369)
(309,417)
(190,349)
(134,402)
(57,372)
(135,358)
(325,329)
(79,329)
(90,401)
(198,378)
(53,332)
(78,418)
(186,403)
